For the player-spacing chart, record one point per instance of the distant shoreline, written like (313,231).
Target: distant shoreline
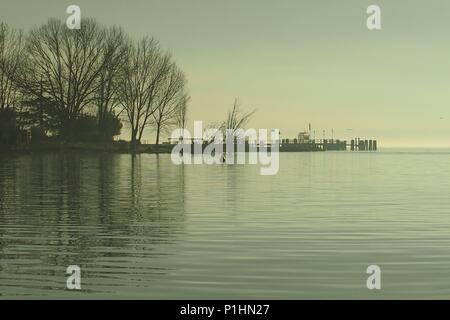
(113,147)
(122,147)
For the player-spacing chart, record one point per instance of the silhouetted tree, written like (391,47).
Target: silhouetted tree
(180,117)
(11,61)
(142,79)
(171,98)
(106,97)
(57,80)
(64,66)
(236,119)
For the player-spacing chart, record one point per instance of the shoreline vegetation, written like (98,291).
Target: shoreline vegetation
(62,87)
(122,147)
(75,89)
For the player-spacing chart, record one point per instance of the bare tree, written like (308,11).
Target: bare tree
(106,97)
(60,74)
(171,98)
(236,119)
(64,66)
(181,114)
(142,78)
(12,45)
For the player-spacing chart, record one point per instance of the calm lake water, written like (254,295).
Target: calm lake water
(144,228)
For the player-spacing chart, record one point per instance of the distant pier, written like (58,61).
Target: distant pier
(292,145)
(302,143)
(356,144)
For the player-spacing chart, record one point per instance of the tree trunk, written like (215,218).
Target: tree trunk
(158,131)
(134,140)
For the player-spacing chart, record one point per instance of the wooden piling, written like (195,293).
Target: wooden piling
(361,145)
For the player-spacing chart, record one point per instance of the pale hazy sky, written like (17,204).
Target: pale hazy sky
(296,61)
